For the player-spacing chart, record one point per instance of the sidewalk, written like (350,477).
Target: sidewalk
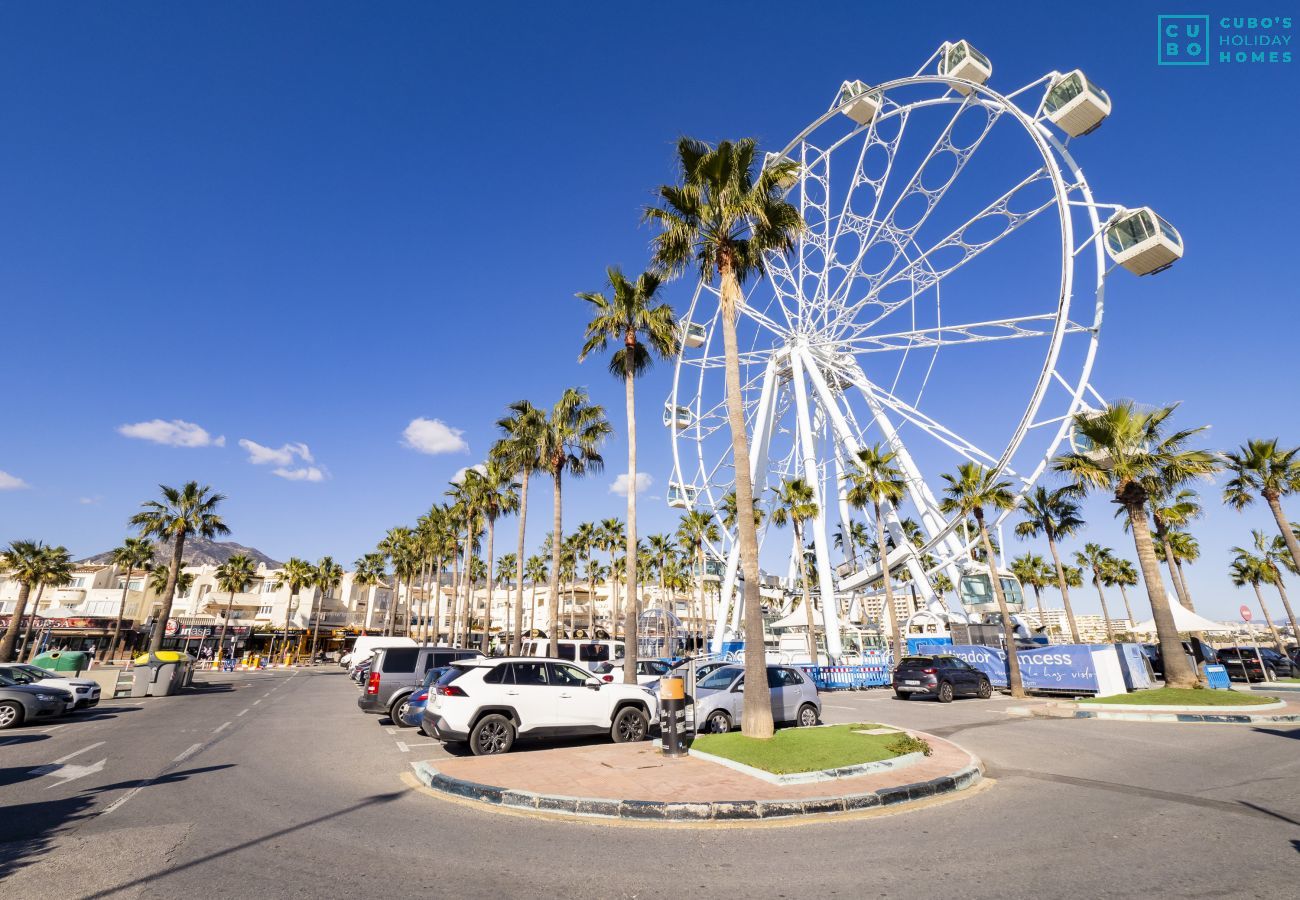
(635,781)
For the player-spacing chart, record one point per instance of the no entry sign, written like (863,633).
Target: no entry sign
(1245,613)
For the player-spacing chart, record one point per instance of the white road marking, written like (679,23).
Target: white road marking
(66,773)
(127,796)
(429,744)
(63,759)
(255,702)
(220,727)
(241,712)
(391,730)
(401,745)
(188,752)
(267,694)
(830,706)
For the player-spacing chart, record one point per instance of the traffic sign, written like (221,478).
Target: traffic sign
(1245,613)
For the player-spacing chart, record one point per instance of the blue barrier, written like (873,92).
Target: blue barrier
(846,678)
(1216,676)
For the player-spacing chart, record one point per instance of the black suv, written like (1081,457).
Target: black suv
(1243,664)
(943,676)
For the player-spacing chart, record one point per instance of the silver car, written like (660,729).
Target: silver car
(719,697)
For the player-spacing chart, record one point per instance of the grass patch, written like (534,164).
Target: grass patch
(793,750)
(1183,697)
(1289,680)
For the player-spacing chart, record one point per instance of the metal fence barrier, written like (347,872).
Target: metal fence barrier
(848,678)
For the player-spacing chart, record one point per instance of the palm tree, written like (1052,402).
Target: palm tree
(1098,559)
(584,545)
(30,563)
(1055,515)
(506,565)
(723,220)
(520,451)
(573,432)
(693,531)
(158,576)
(1172,507)
(875,481)
(396,546)
(1247,568)
(535,571)
(497,496)
(796,502)
(296,575)
(189,510)
(1276,558)
(1032,569)
(1127,447)
(135,553)
(233,576)
(969,492)
(368,572)
(661,550)
(326,577)
(1120,573)
(613,535)
(1262,467)
(1183,547)
(642,329)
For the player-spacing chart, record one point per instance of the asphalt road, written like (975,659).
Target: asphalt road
(274,785)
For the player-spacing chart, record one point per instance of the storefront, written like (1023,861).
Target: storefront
(89,633)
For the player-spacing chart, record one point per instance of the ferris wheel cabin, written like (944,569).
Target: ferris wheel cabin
(961,60)
(1076,105)
(1142,242)
(680,496)
(859,102)
(692,333)
(677,416)
(976,591)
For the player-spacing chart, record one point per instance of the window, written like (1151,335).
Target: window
(791,678)
(269,587)
(500,675)
(593,652)
(720,679)
(774,679)
(400,659)
(567,676)
(264,610)
(565,651)
(529,673)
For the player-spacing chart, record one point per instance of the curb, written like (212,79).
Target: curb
(731,811)
(1187,714)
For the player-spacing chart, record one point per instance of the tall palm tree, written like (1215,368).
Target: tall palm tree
(296,574)
(192,509)
(795,502)
(368,571)
(1278,559)
(584,545)
(613,535)
(30,563)
(1261,467)
(1182,547)
(723,220)
(1054,515)
(497,496)
(642,329)
(1032,569)
(535,571)
(1247,568)
(661,550)
(695,529)
(396,546)
(1098,559)
(506,565)
(1120,573)
(326,577)
(158,577)
(520,449)
(135,553)
(1172,507)
(570,442)
(1129,445)
(233,577)
(875,481)
(973,489)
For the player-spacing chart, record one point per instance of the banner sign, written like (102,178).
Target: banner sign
(915,643)
(1062,667)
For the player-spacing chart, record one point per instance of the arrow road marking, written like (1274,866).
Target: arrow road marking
(63,759)
(66,773)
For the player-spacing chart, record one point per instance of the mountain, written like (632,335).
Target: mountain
(198,552)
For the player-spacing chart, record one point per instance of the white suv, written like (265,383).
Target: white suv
(488,702)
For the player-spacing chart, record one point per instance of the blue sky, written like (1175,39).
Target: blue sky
(313,223)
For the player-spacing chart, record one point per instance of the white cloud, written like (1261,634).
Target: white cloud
(307,473)
(460,473)
(11,482)
(176,433)
(643,482)
(90,501)
(283,457)
(433,436)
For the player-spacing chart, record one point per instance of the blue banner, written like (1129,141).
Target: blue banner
(1133,662)
(1062,667)
(915,643)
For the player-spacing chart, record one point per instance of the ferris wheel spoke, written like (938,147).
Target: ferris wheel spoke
(863,341)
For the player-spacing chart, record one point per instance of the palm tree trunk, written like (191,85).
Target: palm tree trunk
(1014,681)
(1065,588)
(1127,609)
(10,640)
(1182,578)
(452,606)
(556,525)
(702,618)
(629,615)
(487,615)
(1038,601)
(807,598)
(437,600)
(1268,619)
(899,647)
(467,604)
(1286,604)
(315,628)
(221,638)
(1163,535)
(1105,613)
(532,610)
(1292,543)
(288,611)
(169,594)
(516,645)
(1178,674)
(121,611)
(756,716)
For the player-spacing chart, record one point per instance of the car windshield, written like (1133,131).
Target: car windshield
(452,673)
(432,676)
(719,680)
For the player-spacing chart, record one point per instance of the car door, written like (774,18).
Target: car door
(577,706)
(964,680)
(528,689)
(776,687)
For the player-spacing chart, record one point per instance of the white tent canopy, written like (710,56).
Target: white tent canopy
(799,619)
(1184,620)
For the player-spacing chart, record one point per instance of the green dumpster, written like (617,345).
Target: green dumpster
(75,661)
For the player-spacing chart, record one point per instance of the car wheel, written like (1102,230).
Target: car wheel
(1270,675)
(985,690)
(493,734)
(807,716)
(399,709)
(945,692)
(11,714)
(630,725)
(718,722)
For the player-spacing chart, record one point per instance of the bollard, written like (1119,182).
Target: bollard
(672,716)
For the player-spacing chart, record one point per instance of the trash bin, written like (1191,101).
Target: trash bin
(161,674)
(74,661)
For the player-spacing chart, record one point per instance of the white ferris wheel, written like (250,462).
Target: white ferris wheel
(945,301)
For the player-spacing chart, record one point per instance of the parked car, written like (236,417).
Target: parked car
(1200,652)
(1282,666)
(1243,664)
(410,712)
(21,703)
(586,653)
(943,677)
(719,697)
(85,693)
(648,671)
(491,702)
(395,673)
